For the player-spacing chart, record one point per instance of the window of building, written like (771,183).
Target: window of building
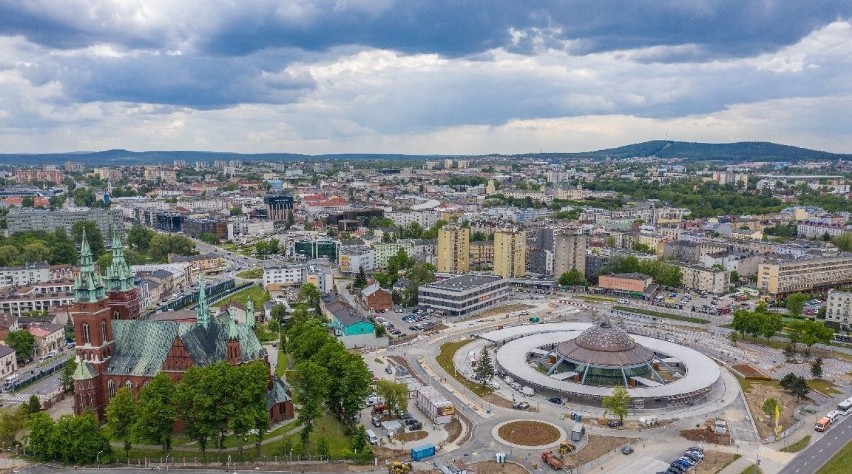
(85,328)
(111,388)
(103,332)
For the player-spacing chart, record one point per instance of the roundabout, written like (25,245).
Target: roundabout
(529,434)
(582,363)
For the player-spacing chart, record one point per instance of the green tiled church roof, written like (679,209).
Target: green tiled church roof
(141,346)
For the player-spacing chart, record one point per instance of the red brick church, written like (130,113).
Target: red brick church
(116,347)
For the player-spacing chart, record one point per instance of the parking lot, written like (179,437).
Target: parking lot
(406,322)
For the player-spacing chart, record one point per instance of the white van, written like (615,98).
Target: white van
(372,438)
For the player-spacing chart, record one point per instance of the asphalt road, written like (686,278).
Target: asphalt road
(823,449)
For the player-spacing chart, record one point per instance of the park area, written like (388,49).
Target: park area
(257,294)
(756,392)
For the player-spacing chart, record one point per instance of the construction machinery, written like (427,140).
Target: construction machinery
(566,448)
(400,467)
(552,460)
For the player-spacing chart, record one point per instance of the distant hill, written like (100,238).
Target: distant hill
(740,151)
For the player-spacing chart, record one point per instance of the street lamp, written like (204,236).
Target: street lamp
(98,459)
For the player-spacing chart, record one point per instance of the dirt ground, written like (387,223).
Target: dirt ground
(758,393)
(489,467)
(501,310)
(632,425)
(706,435)
(529,433)
(597,447)
(713,462)
(750,371)
(453,429)
(411,435)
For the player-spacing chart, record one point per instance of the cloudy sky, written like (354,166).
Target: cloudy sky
(421,76)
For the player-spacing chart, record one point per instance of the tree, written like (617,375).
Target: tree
(33,405)
(310,295)
(323,448)
(816,368)
(12,421)
(800,388)
(795,304)
(290,220)
(278,312)
(35,252)
(770,324)
(769,406)
(163,245)
(572,277)
(22,343)
(121,418)
(843,242)
(735,276)
(156,411)
(789,352)
(41,439)
(617,403)
(80,440)
(93,236)
(311,386)
(484,367)
(360,279)
(209,238)
(66,378)
(733,336)
(395,395)
(139,238)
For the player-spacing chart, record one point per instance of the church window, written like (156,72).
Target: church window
(129,385)
(111,388)
(116,315)
(103,332)
(86,338)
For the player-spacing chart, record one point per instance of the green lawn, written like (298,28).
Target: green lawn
(445,360)
(253,273)
(281,366)
(328,427)
(658,314)
(824,386)
(840,463)
(255,292)
(798,445)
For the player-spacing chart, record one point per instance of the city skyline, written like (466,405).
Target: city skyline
(420,77)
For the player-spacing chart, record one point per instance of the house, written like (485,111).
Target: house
(8,361)
(8,323)
(241,313)
(48,337)
(346,320)
(376,298)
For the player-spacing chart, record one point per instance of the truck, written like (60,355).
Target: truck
(552,460)
(577,432)
(528,391)
(822,424)
(419,453)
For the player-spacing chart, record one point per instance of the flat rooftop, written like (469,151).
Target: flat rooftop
(465,282)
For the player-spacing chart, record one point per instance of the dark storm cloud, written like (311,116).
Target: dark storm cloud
(451,28)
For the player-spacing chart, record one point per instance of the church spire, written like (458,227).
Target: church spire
(202,312)
(88,287)
(119,277)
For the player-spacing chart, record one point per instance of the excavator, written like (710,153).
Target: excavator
(566,448)
(557,462)
(400,467)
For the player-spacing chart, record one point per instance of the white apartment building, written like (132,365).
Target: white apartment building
(803,274)
(8,362)
(811,229)
(37,297)
(25,275)
(352,258)
(425,218)
(249,228)
(286,275)
(838,309)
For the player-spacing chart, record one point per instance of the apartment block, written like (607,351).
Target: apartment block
(25,275)
(425,219)
(453,249)
(569,252)
(107,220)
(464,295)
(383,252)
(481,255)
(710,280)
(804,274)
(838,309)
(510,253)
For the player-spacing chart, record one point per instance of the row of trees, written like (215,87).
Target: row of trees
(763,323)
(212,401)
(572,277)
(326,376)
(663,273)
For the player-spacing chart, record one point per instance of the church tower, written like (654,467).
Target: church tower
(90,314)
(124,298)
(202,311)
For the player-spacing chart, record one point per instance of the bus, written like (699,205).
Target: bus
(845,407)
(11,382)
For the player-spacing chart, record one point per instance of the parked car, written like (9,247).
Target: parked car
(614,423)
(626,450)
(521,405)
(376,420)
(414,426)
(555,400)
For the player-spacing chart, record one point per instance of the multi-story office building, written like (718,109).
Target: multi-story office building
(838,309)
(569,252)
(352,258)
(464,295)
(510,252)
(804,274)
(453,249)
(25,275)
(383,252)
(25,219)
(196,227)
(314,249)
(278,206)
